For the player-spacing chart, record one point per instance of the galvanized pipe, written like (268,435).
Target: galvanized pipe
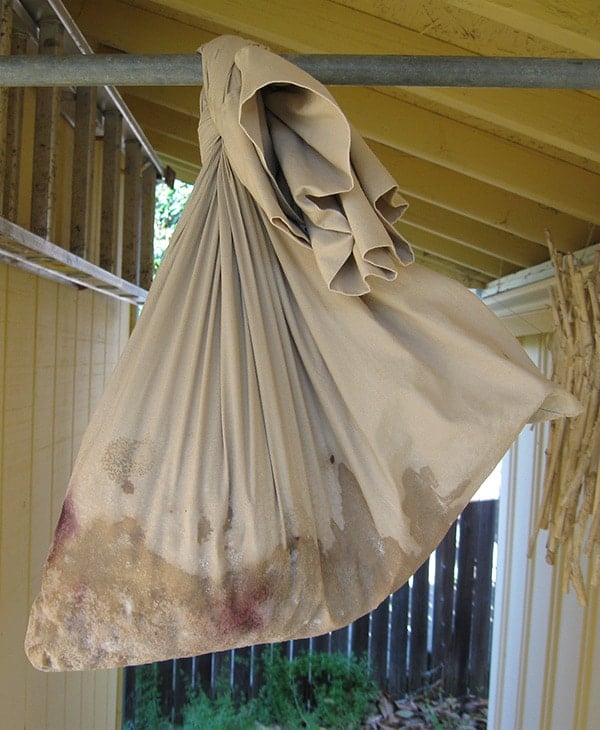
(335,70)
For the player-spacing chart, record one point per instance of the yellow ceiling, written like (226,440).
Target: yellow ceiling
(485,171)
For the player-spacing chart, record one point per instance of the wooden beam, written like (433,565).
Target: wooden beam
(14,135)
(456,253)
(467,277)
(473,152)
(132,211)
(164,120)
(483,202)
(174,147)
(47,109)
(110,235)
(83,169)
(6,22)
(474,234)
(572,25)
(147,227)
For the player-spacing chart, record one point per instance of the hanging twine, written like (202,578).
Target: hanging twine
(570,509)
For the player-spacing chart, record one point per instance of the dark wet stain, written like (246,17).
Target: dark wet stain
(204,530)
(332,459)
(421,502)
(123,458)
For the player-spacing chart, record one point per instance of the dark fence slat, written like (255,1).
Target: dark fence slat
(397,676)
(165,686)
(300,646)
(339,641)
(443,598)
(479,659)
(258,656)
(241,673)
(182,681)
(378,642)
(419,608)
(129,700)
(203,669)
(360,636)
(321,643)
(459,660)
(221,670)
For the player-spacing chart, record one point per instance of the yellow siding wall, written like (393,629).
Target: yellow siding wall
(57,347)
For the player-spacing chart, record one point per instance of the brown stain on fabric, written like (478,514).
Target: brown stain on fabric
(421,502)
(204,530)
(124,458)
(110,601)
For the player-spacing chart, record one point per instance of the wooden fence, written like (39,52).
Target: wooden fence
(437,626)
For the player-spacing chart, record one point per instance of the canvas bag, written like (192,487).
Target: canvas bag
(298,416)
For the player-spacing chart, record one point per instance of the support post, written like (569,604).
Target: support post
(132,212)
(6,20)
(83,169)
(110,235)
(147,233)
(47,109)
(14,133)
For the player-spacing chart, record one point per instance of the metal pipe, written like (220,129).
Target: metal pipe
(336,70)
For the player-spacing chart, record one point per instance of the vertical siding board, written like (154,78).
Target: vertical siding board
(419,600)
(98,350)
(15,465)
(42,469)
(100,694)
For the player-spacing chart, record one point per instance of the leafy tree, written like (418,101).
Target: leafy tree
(169,205)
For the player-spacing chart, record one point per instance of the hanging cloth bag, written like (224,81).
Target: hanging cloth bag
(299,414)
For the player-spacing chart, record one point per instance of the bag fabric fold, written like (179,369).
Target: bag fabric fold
(301,412)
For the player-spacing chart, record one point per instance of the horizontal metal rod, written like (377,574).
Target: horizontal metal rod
(346,70)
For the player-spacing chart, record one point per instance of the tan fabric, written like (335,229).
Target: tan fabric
(297,418)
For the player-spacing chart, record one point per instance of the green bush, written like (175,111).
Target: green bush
(315,691)
(310,692)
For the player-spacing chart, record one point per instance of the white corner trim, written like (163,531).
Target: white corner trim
(521,300)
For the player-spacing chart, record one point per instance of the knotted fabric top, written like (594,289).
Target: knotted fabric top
(290,145)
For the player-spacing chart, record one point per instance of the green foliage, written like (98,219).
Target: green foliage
(312,692)
(169,205)
(147,699)
(316,691)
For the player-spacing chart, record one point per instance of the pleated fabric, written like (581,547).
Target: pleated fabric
(300,413)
